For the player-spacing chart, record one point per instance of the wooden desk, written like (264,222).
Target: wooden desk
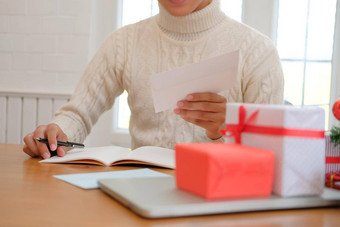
(30,196)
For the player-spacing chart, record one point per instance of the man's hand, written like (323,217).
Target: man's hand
(53,133)
(206,110)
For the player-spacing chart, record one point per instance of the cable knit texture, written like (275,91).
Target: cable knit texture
(131,55)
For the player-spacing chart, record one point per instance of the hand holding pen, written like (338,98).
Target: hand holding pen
(49,134)
(59,143)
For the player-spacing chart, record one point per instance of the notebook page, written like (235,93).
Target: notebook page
(106,155)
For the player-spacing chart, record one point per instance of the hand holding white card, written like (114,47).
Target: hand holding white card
(215,75)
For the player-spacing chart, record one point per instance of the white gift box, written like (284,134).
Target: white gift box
(294,134)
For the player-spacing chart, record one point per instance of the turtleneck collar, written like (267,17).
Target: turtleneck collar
(196,22)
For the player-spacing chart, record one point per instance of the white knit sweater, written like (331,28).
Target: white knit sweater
(130,55)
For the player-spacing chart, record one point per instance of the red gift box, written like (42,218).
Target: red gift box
(220,170)
(333,180)
(332,155)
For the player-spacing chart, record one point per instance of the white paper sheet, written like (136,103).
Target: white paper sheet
(215,75)
(89,180)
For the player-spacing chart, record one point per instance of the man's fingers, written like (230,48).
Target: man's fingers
(30,148)
(61,136)
(53,131)
(42,148)
(206,97)
(201,115)
(55,134)
(29,152)
(61,151)
(206,110)
(202,106)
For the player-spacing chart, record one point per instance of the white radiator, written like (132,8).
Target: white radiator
(21,113)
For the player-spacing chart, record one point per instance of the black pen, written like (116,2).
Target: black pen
(61,143)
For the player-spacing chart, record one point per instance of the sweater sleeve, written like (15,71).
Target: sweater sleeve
(262,73)
(96,91)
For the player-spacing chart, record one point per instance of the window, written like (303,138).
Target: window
(136,10)
(305,44)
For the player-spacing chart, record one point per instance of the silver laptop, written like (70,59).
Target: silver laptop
(159,197)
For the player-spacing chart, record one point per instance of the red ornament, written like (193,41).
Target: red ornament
(336,109)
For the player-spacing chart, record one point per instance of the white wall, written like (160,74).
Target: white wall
(43,44)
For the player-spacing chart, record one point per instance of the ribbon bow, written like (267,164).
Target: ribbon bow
(235,130)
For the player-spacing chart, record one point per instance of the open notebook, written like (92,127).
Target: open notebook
(114,155)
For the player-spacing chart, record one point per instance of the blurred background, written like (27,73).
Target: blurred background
(45,46)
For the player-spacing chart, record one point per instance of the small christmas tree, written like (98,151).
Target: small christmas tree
(335,136)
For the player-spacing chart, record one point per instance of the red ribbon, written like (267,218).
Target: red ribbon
(244,125)
(332,160)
